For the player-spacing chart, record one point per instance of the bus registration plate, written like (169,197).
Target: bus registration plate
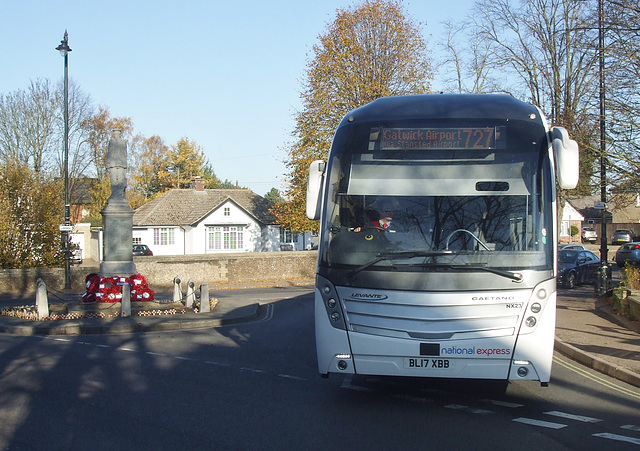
(427,364)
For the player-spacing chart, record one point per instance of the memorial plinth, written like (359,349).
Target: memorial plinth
(117,217)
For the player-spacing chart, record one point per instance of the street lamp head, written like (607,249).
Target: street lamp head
(64,48)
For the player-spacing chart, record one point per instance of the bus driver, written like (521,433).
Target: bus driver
(384,210)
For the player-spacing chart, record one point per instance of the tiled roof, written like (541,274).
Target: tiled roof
(189,207)
(621,212)
(584,202)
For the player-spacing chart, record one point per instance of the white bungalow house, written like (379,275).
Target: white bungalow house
(203,221)
(570,217)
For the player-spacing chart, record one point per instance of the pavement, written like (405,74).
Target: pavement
(587,329)
(591,333)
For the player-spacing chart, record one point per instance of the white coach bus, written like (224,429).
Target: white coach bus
(438,226)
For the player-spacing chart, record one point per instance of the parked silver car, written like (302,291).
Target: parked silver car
(622,237)
(589,234)
(572,247)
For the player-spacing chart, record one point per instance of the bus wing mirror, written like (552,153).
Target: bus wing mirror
(567,157)
(314,189)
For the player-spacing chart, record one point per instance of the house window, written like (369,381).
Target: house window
(227,211)
(286,236)
(565,228)
(225,238)
(163,237)
(136,240)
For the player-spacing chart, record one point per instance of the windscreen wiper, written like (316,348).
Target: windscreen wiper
(517,277)
(381,256)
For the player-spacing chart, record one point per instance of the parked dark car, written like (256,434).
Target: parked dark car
(628,253)
(622,237)
(141,249)
(576,267)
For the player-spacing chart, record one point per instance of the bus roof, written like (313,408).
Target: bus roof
(444,106)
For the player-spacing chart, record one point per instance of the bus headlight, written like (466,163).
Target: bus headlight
(530,321)
(536,307)
(331,303)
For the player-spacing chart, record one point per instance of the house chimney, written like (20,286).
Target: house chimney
(198,184)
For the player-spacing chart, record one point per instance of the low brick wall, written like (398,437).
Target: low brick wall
(24,280)
(236,269)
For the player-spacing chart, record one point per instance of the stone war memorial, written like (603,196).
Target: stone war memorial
(117,269)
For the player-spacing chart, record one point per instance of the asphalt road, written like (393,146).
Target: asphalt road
(256,386)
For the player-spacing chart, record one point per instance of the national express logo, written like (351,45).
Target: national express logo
(472,350)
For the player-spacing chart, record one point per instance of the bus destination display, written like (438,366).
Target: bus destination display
(438,138)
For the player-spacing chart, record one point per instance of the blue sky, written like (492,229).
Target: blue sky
(224,74)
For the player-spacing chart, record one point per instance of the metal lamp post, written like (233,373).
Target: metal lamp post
(64,50)
(604,274)
(603,169)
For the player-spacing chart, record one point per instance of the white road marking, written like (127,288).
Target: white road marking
(468,409)
(253,370)
(511,405)
(209,362)
(295,378)
(619,438)
(569,416)
(540,423)
(600,380)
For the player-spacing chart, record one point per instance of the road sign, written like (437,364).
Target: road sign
(66,228)
(599,205)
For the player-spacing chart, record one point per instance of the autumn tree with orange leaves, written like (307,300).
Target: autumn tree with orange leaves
(369,51)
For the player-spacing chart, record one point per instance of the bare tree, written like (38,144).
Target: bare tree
(80,109)
(28,126)
(543,51)
(622,56)
(468,59)
(548,51)
(32,129)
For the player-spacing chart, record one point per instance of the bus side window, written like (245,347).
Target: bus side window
(350,211)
